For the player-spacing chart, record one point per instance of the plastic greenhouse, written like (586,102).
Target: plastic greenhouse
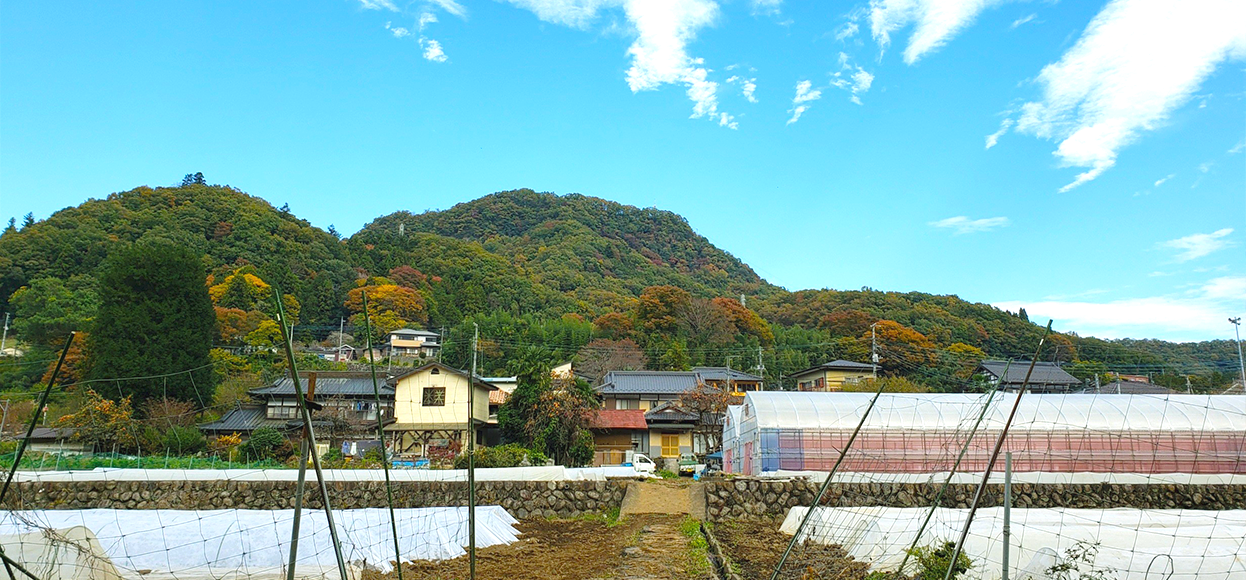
(923,433)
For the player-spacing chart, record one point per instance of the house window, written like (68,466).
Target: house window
(434,396)
(282,409)
(435,371)
(626,404)
(820,384)
(670,445)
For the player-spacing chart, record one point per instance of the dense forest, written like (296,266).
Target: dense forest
(569,277)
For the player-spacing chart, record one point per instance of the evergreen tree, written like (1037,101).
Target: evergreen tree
(155,319)
(193,179)
(12,227)
(28,220)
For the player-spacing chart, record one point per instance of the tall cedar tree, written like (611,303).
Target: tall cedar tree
(155,318)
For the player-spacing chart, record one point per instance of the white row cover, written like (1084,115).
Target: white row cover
(1171,544)
(544,473)
(179,544)
(1042,412)
(1019,477)
(66,554)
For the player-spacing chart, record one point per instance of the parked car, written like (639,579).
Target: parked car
(688,464)
(641,463)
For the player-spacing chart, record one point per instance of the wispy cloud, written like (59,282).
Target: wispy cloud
(852,78)
(748,86)
(805,94)
(1023,20)
(1198,313)
(1162,180)
(993,138)
(451,7)
(1241,146)
(1135,63)
(963,225)
(766,7)
(663,29)
(378,5)
(847,30)
(1196,246)
(934,22)
(397,31)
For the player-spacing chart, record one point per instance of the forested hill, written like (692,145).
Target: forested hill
(598,252)
(527,267)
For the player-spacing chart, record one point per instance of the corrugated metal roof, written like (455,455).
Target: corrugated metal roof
(243,420)
(836,365)
(498,397)
(619,419)
(1045,373)
(355,385)
(648,382)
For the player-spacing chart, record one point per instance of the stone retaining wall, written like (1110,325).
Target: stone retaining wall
(769,499)
(523,499)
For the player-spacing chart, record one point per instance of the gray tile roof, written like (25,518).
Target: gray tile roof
(647,382)
(720,374)
(243,420)
(328,385)
(1045,373)
(670,413)
(51,433)
(837,365)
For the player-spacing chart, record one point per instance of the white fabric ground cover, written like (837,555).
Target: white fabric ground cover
(1191,544)
(543,473)
(256,543)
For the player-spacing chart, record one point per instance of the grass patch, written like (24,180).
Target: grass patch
(698,548)
(610,517)
(667,474)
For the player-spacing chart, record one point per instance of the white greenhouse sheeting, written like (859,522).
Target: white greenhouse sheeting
(1020,477)
(182,544)
(1038,411)
(46,554)
(1191,544)
(543,473)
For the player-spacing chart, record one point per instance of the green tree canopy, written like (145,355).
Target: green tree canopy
(155,320)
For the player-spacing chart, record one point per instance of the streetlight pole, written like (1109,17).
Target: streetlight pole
(1237,325)
(873,351)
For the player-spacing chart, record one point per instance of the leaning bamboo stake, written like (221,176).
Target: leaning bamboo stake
(305,411)
(826,484)
(380,435)
(999,444)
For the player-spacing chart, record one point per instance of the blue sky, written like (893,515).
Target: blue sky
(833,145)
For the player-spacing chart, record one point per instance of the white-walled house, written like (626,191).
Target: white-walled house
(430,410)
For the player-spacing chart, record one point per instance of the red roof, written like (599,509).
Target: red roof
(620,419)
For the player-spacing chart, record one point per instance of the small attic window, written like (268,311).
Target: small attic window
(435,371)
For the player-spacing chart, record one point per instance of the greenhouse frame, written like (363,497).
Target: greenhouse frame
(924,433)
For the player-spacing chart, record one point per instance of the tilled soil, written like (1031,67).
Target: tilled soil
(640,546)
(755,549)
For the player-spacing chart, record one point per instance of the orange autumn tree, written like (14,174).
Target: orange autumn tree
(900,348)
(391,306)
(745,320)
(104,423)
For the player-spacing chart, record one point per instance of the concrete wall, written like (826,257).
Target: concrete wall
(745,498)
(523,499)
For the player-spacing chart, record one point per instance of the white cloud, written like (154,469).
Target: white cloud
(432,50)
(934,22)
(851,78)
(1196,314)
(1161,180)
(805,94)
(573,13)
(1206,166)
(848,30)
(748,86)
(964,225)
(378,5)
(452,7)
(767,7)
(993,138)
(1238,148)
(1136,62)
(1023,20)
(397,31)
(426,18)
(1198,245)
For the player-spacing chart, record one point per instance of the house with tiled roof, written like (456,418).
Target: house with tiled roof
(832,376)
(616,432)
(347,396)
(657,394)
(1047,377)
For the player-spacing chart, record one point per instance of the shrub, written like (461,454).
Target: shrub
(266,443)
(226,445)
(184,440)
(934,562)
(509,455)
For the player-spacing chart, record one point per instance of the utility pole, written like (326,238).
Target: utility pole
(728,379)
(471,460)
(761,366)
(341,327)
(1237,325)
(873,351)
(6,333)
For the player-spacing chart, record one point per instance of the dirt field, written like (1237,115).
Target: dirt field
(755,549)
(638,547)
